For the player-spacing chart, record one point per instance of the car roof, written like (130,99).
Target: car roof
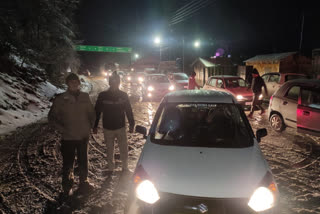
(297,82)
(156,75)
(225,76)
(199,96)
(299,74)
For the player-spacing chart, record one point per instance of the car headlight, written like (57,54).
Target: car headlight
(171,88)
(149,95)
(240,97)
(262,199)
(129,78)
(260,97)
(150,88)
(110,74)
(140,79)
(105,73)
(147,192)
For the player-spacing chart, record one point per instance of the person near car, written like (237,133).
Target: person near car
(114,104)
(192,81)
(72,114)
(256,86)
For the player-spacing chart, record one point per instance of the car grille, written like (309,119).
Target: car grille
(178,204)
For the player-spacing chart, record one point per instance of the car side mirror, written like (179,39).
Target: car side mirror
(141,130)
(261,133)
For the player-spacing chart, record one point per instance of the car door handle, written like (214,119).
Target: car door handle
(285,103)
(306,113)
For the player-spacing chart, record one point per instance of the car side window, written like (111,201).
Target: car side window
(220,83)
(310,98)
(293,93)
(274,78)
(265,77)
(213,82)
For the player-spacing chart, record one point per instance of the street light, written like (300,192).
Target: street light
(196,44)
(157,40)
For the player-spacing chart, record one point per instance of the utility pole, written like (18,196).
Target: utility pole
(301,36)
(183,54)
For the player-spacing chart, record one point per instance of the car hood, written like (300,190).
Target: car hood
(159,85)
(244,91)
(204,172)
(182,82)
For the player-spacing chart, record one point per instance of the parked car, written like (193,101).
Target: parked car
(201,156)
(235,85)
(179,80)
(275,80)
(156,86)
(136,77)
(296,104)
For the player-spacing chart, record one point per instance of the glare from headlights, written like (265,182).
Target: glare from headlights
(147,192)
(262,199)
(150,88)
(171,88)
(110,74)
(105,73)
(149,95)
(129,78)
(140,79)
(240,97)
(260,97)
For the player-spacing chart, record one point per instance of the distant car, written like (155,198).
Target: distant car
(179,80)
(156,86)
(136,77)
(296,104)
(201,156)
(275,80)
(235,85)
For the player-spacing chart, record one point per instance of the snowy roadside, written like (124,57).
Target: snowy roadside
(22,103)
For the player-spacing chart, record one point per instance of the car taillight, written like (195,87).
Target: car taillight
(271,100)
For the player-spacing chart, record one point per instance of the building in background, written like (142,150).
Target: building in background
(205,68)
(168,67)
(289,62)
(316,62)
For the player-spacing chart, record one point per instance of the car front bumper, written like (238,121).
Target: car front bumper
(179,204)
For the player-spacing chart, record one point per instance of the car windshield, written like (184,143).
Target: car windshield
(180,77)
(235,83)
(202,125)
(158,79)
(293,77)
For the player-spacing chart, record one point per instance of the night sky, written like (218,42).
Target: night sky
(244,27)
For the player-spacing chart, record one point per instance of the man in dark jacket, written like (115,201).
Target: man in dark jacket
(256,86)
(72,114)
(115,104)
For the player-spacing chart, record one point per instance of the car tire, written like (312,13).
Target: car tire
(276,122)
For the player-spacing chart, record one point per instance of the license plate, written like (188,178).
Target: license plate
(248,103)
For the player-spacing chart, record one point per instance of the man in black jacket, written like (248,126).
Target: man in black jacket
(256,86)
(114,104)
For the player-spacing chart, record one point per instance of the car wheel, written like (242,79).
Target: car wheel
(277,122)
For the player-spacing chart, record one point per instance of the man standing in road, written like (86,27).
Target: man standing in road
(256,86)
(72,114)
(115,104)
(192,81)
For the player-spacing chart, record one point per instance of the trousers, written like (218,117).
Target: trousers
(69,149)
(109,138)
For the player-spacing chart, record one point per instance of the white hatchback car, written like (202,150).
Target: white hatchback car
(201,156)
(296,104)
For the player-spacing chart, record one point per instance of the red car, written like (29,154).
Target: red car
(235,85)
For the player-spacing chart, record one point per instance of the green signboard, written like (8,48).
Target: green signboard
(103,49)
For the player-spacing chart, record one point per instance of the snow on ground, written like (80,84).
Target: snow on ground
(22,103)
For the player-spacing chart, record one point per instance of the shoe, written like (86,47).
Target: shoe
(86,187)
(250,115)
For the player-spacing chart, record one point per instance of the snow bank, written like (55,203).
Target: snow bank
(22,103)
